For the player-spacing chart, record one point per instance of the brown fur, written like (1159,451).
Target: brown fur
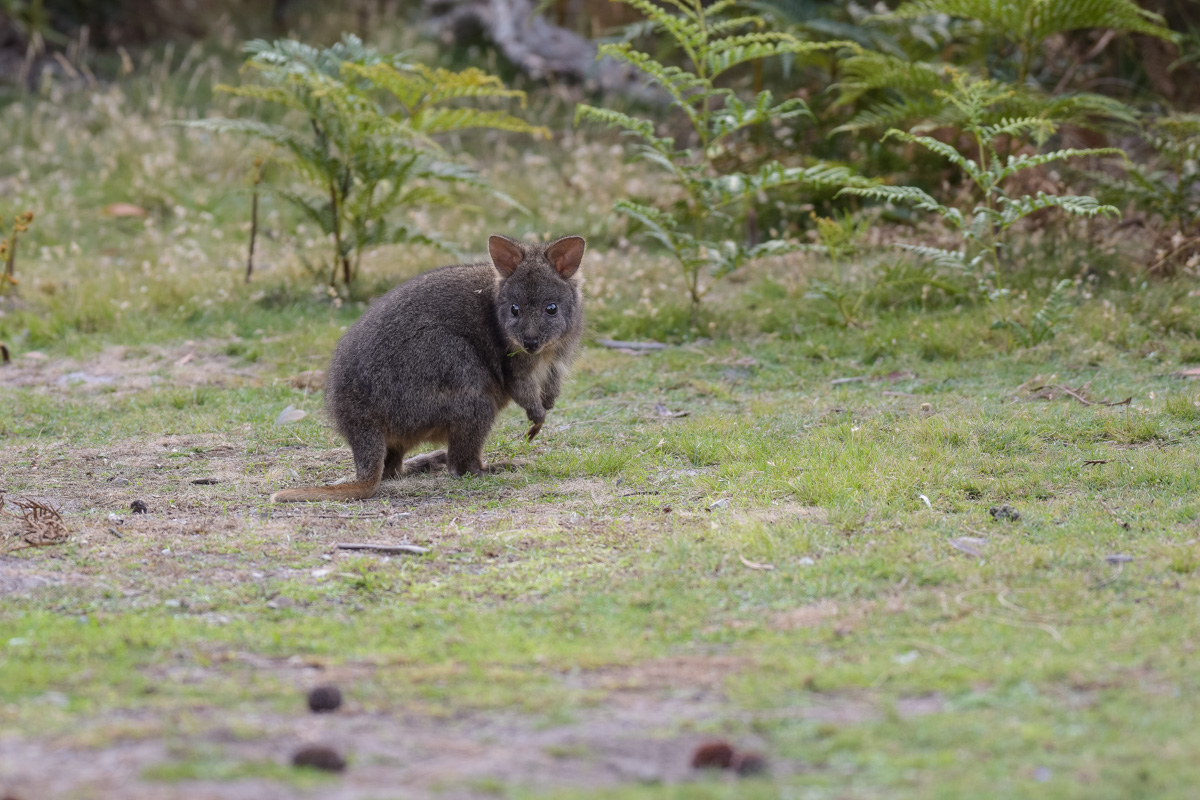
(436,358)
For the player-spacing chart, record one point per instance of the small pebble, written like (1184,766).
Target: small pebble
(713,755)
(320,757)
(139,506)
(324,698)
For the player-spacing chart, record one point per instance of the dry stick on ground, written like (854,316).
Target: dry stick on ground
(1114,516)
(1077,394)
(387,548)
(258,175)
(619,345)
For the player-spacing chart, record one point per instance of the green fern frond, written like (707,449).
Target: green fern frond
(736,187)
(736,115)
(718,60)
(684,87)
(946,151)
(440,120)
(682,27)
(658,224)
(911,195)
(268,94)
(615,119)
(946,259)
(725,26)
(1015,164)
(1084,109)
(1047,321)
(1035,20)
(869,71)
(931,111)
(1018,208)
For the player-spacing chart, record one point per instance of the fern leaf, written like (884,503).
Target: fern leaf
(868,71)
(1078,205)
(736,115)
(736,187)
(682,27)
(1016,164)
(440,120)
(615,119)
(723,58)
(947,259)
(1034,20)
(659,224)
(683,87)
(900,194)
(946,151)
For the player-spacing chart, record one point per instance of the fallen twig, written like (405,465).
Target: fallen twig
(387,548)
(755,564)
(1091,462)
(968,544)
(619,345)
(1039,392)
(1114,516)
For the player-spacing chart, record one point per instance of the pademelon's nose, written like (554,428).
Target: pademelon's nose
(531,345)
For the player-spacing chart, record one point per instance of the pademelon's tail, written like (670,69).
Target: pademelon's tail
(358,490)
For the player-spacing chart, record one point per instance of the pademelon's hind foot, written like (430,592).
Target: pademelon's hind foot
(426,462)
(437,461)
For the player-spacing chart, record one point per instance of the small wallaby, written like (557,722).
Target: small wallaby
(437,357)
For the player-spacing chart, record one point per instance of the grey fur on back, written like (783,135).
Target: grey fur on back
(437,357)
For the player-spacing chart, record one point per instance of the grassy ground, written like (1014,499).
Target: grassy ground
(803,564)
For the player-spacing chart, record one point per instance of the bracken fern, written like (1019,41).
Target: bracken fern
(701,232)
(984,228)
(367,146)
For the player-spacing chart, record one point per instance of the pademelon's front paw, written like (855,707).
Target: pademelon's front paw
(533,430)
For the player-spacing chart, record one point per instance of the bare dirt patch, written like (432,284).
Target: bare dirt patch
(119,370)
(643,728)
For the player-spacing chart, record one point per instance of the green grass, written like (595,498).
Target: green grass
(872,659)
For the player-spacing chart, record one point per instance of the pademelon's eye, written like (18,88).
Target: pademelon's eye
(516,310)
(552,309)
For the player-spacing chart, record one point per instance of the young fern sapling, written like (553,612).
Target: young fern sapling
(703,231)
(366,144)
(1166,187)
(984,228)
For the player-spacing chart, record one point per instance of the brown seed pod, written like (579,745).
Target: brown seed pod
(324,698)
(716,754)
(319,756)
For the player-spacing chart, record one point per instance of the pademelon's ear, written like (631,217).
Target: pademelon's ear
(566,254)
(506,254)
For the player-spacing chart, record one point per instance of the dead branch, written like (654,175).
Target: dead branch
(387,548)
